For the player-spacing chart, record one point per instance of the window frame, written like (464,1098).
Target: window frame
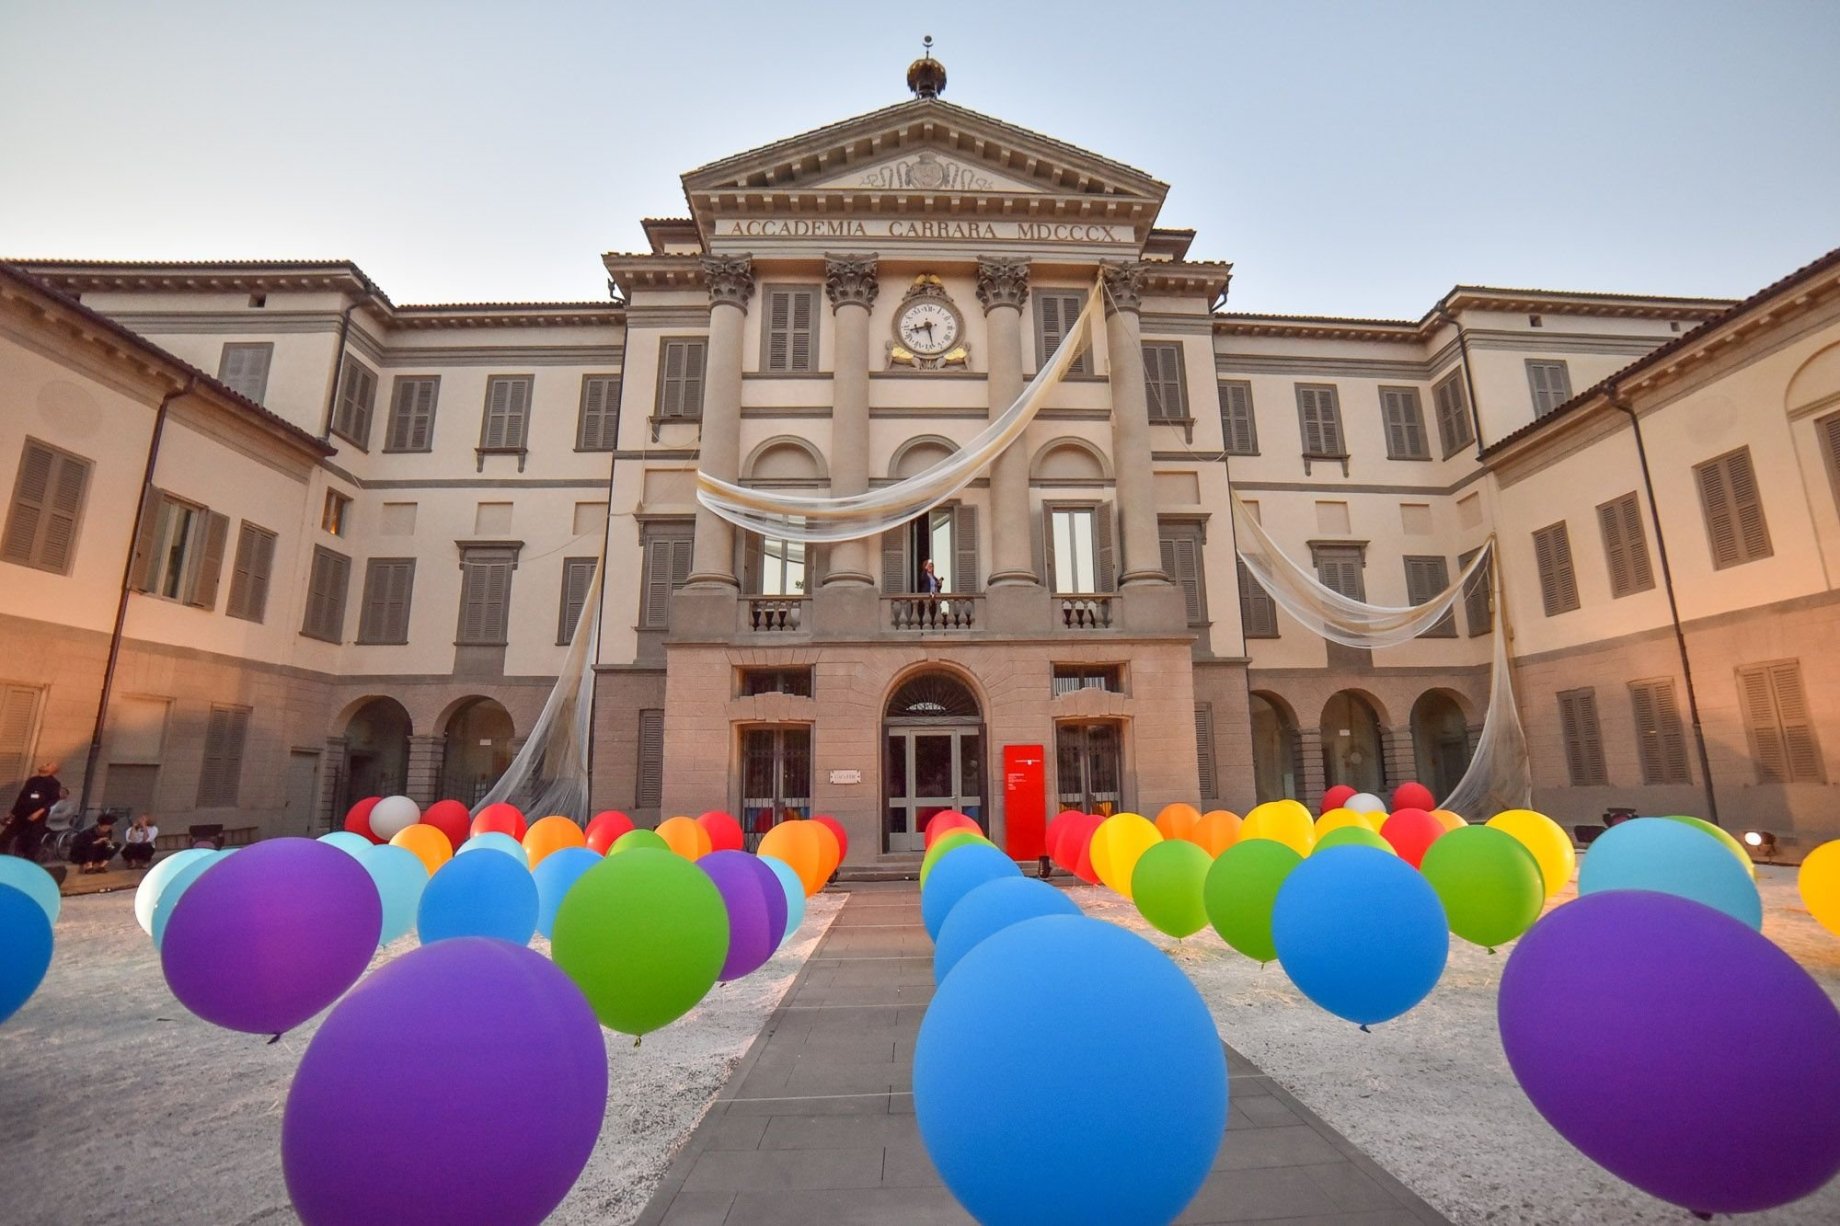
(354,414)
(1153,352)
(1581,716)
(1459,402)
(1780,727)
(1554,603)
(266,348)
(794,291)
(648,779)
(1082,366)
(34,553)
(475,557)
(1725,465)
(1171,532)
(1479,589)
(663,540)
(1625,537)
(1446,626)
(1226,388)
(609,437)
(505,447)
(235,725)
(565,624)
(1334,418)
(1104,557)
(245,582)
(335,512)
(375,630)
(1412,421)
(1548,365)
(1253,593)
(402,384)
(1322,550)
(1658,758)
(334,631)
(659,416)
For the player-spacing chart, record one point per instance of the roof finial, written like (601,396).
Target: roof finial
(927,42)
(926,76)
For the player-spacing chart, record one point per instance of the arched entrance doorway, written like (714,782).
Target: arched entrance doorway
(376,752)
(1351,744)
(1440,741)
(1275,749)
(478,749)
(932,757)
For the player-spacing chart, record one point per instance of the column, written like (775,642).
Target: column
(730,280)
(850,281)
(1400,756)
(1003,286)
(1136,494)
(427,755)
(1314,782)
(333,766)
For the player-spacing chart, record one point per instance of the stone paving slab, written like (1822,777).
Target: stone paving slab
(816,1124)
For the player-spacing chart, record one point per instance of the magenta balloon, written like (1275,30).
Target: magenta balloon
(748,896)
(1679,1049)
(272,935)
(463,1083)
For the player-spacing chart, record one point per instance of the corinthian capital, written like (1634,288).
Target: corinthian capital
(730,279)
(850,280)
(1124,285)
(1002,281)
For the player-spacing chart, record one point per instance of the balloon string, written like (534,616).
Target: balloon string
(637,1039)
(274,1041)
(1365,1030)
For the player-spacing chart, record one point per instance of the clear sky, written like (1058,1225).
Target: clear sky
(1348,158)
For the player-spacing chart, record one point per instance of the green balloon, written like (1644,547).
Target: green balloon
(1166,886)
(633,840)
(1239,892)
(943,844)
(1722,835)
(1489,883)
(643,935)
(1353,836)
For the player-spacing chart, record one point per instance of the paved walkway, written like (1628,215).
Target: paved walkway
(816,1126)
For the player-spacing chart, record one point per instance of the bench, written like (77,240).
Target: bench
(220,836)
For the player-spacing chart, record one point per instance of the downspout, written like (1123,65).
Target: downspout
(127,586)
(600,611)
(1616,401)
(338,364)
(1469,380)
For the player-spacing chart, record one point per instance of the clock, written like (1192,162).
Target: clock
(927,327)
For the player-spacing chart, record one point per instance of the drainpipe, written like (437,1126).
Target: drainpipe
(1469,380)
(338,363)
(600,612)
(1617,402)
(127,586)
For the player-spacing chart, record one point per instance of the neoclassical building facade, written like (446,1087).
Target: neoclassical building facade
(276,542)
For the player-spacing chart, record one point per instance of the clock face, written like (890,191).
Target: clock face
(927,328)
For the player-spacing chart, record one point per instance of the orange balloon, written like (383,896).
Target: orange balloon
(831,851)
(801,847)
(1451,820)
(1216,831)
(686,837)
(427,842)
(552,834)
(1175,821)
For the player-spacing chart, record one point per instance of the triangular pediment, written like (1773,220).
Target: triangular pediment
(927,169)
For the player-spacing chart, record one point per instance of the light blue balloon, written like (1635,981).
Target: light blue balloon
(497,840)
(147,894)
(553,876)
(25,948)
(34,882)
(176,887)
(956,875)
(348,841)
(400,877)
(479,896)
(795,894)
(990,909)
(1360,932)
(1670,857)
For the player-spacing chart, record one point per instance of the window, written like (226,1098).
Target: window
(1584,742)
(1055,313)
(19,706)
(1204,750)
(389,584)
(1239,430)
(789,336)
(649,791)
(1454,431)
(485,595)
(1070,678)
(667,568)
(1625,546)
(1405,424)
(255,560)
(1659,742)
(1783,743)
(41,525)
(1425,578)
(1552,551)
(1550,383)
(680,379)
(244,369)
(335,514)
(412,414)
(179,554)
(1320,416)
(1181,543)
(1477,590)
(507,415)
(224,736)
(1339,568)
(1258,612)
(1165,385)
(351,418)
(1735,527)
(326,586)
(1828,429)
(598,427)
(775,568)
(1079,548)
(577,578)
(795,681)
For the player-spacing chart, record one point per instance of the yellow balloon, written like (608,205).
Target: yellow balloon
(549,835)
(1550,845)
(427,842)
(1819,883)
(1217,830)
(1335,819)
(1116,846)
(1175,821)
(1282,821)
(1450,820)
(686,837)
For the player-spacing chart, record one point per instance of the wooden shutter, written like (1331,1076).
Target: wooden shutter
(1476,596)
(1760,720)
(1181,553)
(667,568)
(1452,415)
(1209,786)
(412,415)
(1625,545)
(226,732)
(650,790)
(1338,568)
(18,717)
(753,579)
(600,413)
(577,576)
(1164,390)
(1055,313)
(1105,569)
(1660,742)
(326,588)
(203,587)
(1584,743)
(680,383)
(31,499)
(1258,612)
(1320,420)
(1552,549)
(897,572)
(255,557)
(1551,385)
(485,597)
(41,526)
(1828,429)
(791,328)
(1238,428)
(1783,740)
(357,395)
(507,414)
(1405,424)
(964,549)
(1425,579)
(389,585)
(145,564)
(1735,526)
(1747,505)
(244,369)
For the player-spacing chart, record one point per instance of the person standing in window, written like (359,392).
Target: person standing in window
(25,823)
(929,579)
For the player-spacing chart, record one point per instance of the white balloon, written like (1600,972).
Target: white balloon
(147,894)
(393,815)
(1360,802)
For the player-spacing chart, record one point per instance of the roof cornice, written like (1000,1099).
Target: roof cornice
(1469,298)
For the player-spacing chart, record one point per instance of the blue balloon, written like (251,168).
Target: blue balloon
(34,882)
(479,896)
(494,840)
(25,948)
(177,885)
(989,909)
(955,875)
(553,876)
(400,877)
(147,894)
(1668,857)
(795,894)
(348,841)
(1360,932)
(1066,1071)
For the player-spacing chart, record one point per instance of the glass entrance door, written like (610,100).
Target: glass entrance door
(775,778)
(927,771)
(1087,767)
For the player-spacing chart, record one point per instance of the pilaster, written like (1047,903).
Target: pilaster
(851,283)
(730,281)
(1002,287)
(427,755)
(1142,555)
(1398,756)
(333,778)
(1312,783)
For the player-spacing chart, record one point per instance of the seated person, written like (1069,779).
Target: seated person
(137,851)
(95,847)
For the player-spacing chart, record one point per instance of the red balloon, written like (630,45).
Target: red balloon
(1057,831)
(1079,847)
(1338,796)
(450,818)
(501,817)
(606,827)
(835,827)
(1411,832)
(724,831)
(358,818)
(1413,796)
(949,819)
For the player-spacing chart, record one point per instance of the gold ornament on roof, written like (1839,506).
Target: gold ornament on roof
(926,76)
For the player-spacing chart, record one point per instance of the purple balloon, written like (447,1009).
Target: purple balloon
(748,890)
(1679,1049)
(272,935)
(463,1083)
